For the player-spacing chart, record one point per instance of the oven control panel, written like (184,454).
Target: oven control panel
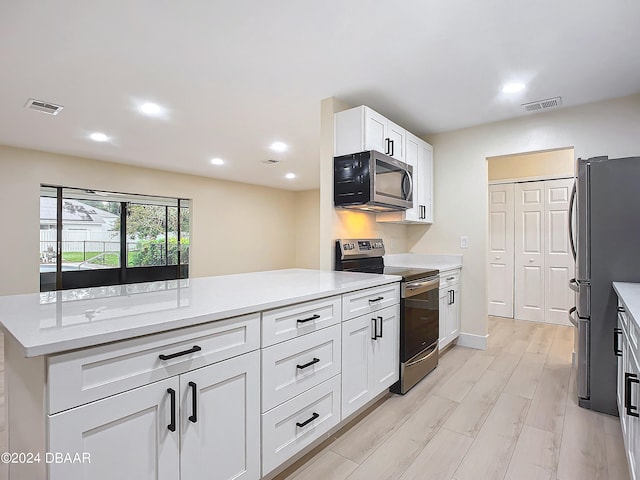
(361,248)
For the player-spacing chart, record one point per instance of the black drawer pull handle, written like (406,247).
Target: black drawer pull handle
(620,309)
(315,360)
(194,402)
(311,318)
(629,378)
(371,300)
(307,422)
(380,336)
(172,394)
(193,349)
(617,351)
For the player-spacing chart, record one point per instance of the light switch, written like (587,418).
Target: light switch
(464,241)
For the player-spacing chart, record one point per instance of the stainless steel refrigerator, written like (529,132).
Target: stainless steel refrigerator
(605,238)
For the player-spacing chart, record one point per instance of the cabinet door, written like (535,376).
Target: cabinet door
(425,190)
(443,312)
(126,436)
(357,371)
(412,154)
(396,135)
(633,428)
(221,427)
(386,349)
(453,315)
(375,131)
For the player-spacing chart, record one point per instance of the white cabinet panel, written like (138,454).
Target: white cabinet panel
(367,301)
(290,368)
(290,427)
(375,131)
(126,435)
(370,357)
(357,363)
(396,136)
(220,426)
(295,320)
(83,376)
(449,303)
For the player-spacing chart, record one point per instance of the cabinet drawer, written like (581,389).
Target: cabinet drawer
(362,302)
(83,376)
(318,354)
(295,320)
(449,278)
(285,430)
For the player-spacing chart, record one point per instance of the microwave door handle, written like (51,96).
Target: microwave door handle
(408,194)
(571,213)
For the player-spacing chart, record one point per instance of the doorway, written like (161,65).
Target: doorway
(529,261)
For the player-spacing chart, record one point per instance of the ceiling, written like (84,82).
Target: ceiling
(236,75)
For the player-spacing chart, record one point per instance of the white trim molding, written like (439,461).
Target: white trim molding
(479,342)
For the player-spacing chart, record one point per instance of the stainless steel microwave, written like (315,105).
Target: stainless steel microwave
(372,181)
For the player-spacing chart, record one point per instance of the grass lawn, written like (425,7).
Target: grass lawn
(110,259)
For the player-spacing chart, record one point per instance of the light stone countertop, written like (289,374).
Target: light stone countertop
(53,322)
(443,263)
(629,293)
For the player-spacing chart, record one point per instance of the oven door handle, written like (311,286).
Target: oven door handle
(414,288)
(427,354)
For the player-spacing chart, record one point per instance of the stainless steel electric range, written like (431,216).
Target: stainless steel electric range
(419,315)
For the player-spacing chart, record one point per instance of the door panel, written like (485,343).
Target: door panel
(529,251)
(357,371)
(558,260)
(225,436)
(501,250)
(375,126)
(125,434)
(386,349)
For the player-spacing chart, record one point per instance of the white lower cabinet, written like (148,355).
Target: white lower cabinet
(291,426)
(628,388)
(126,436)
(206,420)
(220,420)
(370,357)
(449,308)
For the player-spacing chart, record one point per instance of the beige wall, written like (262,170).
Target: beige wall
(344,223)
(553,163)
(461,179)
(307,207)
(235,227)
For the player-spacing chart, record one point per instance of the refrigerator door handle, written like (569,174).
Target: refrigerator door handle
(573,321)
(572,202)
(573,285)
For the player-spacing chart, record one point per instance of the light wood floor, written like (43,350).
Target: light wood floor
(507,413)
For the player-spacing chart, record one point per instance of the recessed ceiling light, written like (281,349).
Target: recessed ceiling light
(150,108)
(98,137)
(513,87)
(290,176)
(279,147)
(217,161)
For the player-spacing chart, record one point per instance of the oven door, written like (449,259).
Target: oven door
(420,325)
(393,181)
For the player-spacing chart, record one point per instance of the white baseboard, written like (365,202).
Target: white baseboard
(479,342)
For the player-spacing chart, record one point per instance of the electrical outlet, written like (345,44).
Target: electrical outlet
(464,241)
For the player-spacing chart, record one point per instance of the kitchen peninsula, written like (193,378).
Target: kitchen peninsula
(234,374)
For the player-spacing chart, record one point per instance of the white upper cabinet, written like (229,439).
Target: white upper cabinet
(361,128)
(418,154)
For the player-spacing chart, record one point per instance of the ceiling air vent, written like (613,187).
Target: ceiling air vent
(542,104)
(44,107)
(270,161)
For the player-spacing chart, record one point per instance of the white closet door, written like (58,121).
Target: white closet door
(529,251)
(558,261)
(501,250)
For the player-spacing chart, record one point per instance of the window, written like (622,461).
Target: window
(90,238)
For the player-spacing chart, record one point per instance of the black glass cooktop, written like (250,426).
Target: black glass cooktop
(410,274)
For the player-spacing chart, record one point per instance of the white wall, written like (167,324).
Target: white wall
(235,227)
(460,179)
